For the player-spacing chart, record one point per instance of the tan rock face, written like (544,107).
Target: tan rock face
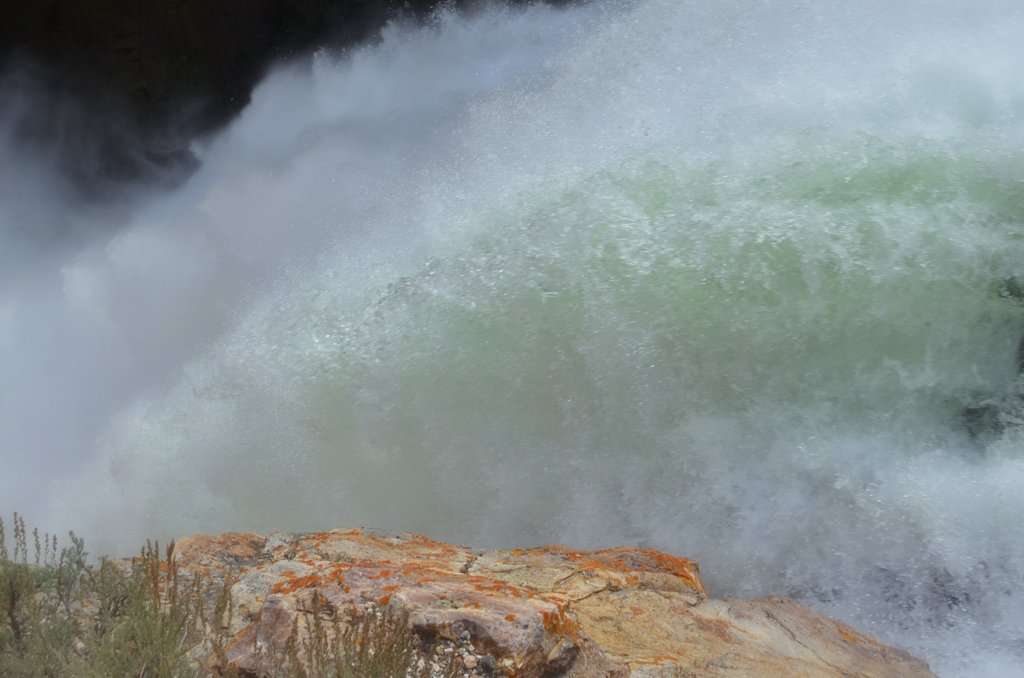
(539,612)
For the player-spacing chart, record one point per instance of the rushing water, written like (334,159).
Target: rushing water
(722,278)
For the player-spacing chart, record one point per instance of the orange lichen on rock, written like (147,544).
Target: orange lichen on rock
(227,550)
(851,636)
(542,611)
(657,659)
(684,568)
(630,562)
(560,623)
(295,583)
(496,586)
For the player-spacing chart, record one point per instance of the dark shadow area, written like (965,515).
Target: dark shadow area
(993,414)
(121,87)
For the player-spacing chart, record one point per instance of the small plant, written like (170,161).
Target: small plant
(375,645)
(61,616)
(138,623)
(37,598)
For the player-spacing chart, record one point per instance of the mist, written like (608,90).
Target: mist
(108,287)
(718,279)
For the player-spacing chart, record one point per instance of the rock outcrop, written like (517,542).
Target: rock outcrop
(539,612)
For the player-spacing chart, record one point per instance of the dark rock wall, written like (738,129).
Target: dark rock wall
(163,57)
(159,72)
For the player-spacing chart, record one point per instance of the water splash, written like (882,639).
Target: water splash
(718,279)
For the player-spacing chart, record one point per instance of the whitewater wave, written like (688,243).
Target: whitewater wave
(719,279)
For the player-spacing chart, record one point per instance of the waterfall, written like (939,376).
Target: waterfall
(732,280)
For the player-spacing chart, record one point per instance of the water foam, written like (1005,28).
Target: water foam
(717,279)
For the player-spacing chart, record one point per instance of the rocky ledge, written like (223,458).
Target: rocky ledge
(539,612)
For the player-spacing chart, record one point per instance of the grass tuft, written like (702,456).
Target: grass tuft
(62,616)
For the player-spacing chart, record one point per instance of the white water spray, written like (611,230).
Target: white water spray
(716,278)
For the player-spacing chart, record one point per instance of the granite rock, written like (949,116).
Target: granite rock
(531,613)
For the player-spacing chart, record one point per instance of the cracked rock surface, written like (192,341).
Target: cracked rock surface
(539,612)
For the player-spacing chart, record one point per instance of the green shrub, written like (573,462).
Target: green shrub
(61,616)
